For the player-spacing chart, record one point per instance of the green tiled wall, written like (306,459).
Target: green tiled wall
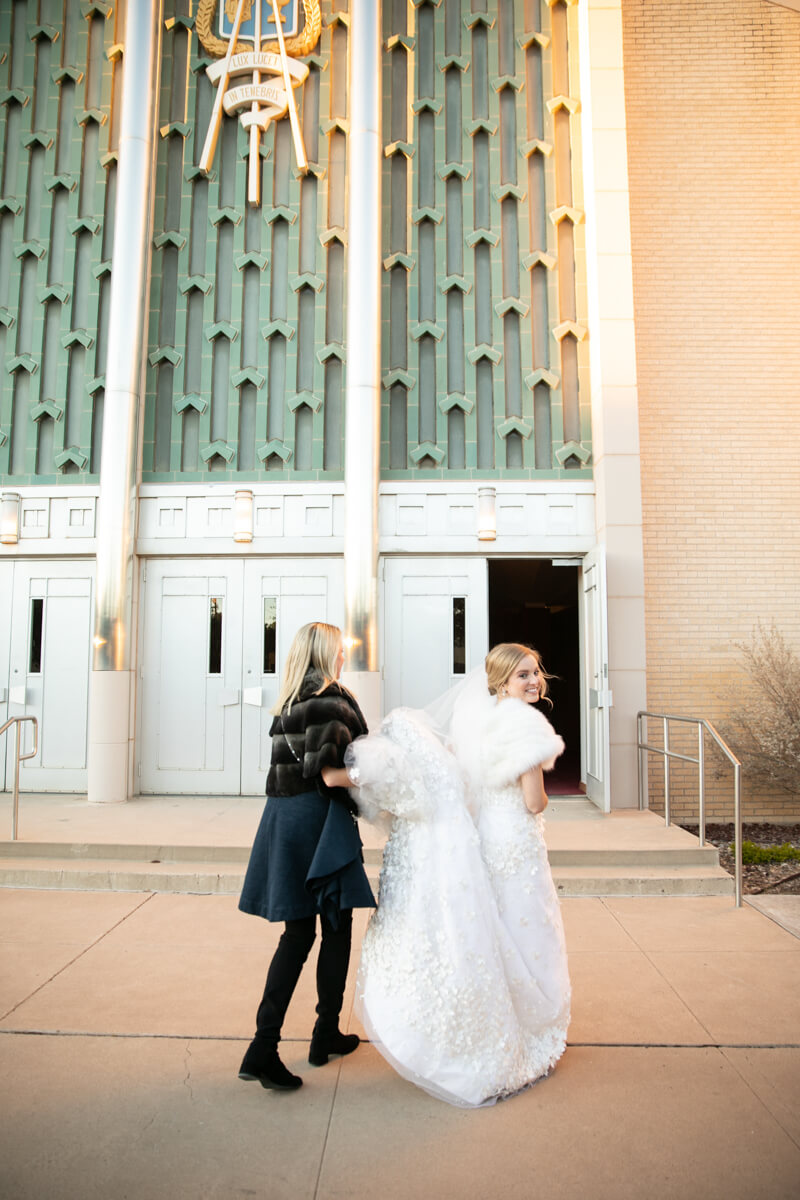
(485,362)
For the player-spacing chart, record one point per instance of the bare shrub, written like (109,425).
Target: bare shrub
(764,729)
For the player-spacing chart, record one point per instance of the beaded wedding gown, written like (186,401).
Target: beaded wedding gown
(496,742)
(454,997)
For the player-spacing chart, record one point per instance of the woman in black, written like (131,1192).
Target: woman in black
(306,859)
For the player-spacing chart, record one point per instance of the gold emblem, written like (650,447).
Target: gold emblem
(255,31)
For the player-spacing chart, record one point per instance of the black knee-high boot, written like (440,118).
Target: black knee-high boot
(261,1060)
(284,971)
(332,964)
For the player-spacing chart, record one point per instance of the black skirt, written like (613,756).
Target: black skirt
(306,859)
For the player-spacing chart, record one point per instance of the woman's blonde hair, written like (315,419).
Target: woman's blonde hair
(503,660)
(315,645)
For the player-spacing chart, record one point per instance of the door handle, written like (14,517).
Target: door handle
(228,696)
(254,696)
(16,695)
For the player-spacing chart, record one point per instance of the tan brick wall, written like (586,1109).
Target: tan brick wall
(713,111)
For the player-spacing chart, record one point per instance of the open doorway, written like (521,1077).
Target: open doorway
(533,602)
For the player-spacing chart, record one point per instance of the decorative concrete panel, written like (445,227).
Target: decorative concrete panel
(485,353)
(246,342)
(532,518)
(444,518)
(55,519)
(58,162)
(484,293)
(34,519)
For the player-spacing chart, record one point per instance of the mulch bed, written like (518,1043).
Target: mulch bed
(772,879)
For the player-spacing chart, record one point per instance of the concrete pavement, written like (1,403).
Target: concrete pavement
(124,1018)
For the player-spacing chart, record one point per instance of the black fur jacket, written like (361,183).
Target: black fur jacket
(313,735)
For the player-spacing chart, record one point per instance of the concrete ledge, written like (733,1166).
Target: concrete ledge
(601,856)
(118,876)
(206,846)
(642,881)
(225,878)
(783,910)
(688,856)
(121,850)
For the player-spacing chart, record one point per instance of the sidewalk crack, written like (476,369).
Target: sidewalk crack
(760,1099)
(327,1131)
(661,974)
(78,956)
(188,1076)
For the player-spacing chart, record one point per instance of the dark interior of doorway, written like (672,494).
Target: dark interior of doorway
(533,602)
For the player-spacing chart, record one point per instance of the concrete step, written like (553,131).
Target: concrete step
(225,878)
(575,856)
(642,881)
(129,852)
(202,845)
(614,871)
(572,808)
(122,875)
(683,856)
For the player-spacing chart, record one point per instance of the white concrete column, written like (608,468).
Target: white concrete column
(113,675)
(615,415)
(363,355)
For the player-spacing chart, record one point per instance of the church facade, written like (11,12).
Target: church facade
(379,322)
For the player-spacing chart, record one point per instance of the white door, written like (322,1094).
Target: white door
(596,697)
(51,622)
(214,641)
(191,677)
(435,627)
(6,585)
(280,595)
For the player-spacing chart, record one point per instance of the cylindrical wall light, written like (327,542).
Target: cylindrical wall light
(243,516)
(487,514)
(9,518)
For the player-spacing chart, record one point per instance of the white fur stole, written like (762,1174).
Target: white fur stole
(515,738)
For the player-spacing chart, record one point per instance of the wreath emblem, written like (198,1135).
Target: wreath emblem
(296,46)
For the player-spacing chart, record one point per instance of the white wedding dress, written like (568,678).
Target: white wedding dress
(454,999)
(496,742)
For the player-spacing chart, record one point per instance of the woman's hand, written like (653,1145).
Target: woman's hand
(337,777)
(533,792)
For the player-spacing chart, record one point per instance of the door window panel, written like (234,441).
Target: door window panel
(215,636)
(459,635)
(37,622)
(270,634)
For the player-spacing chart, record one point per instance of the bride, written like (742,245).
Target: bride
(462,986)
(504,743)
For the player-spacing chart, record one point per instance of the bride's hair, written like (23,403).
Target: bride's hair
(503,659)
(315,645)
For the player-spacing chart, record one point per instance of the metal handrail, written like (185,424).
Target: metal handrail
(703,727)
(20,758)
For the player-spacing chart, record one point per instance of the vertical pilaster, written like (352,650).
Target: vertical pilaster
(615,418)
(112,680)
(362,347)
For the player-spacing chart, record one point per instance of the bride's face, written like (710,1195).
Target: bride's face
(524,681)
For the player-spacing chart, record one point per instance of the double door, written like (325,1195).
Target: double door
(45,647)
(212,645)
(436,629)
(214,640)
